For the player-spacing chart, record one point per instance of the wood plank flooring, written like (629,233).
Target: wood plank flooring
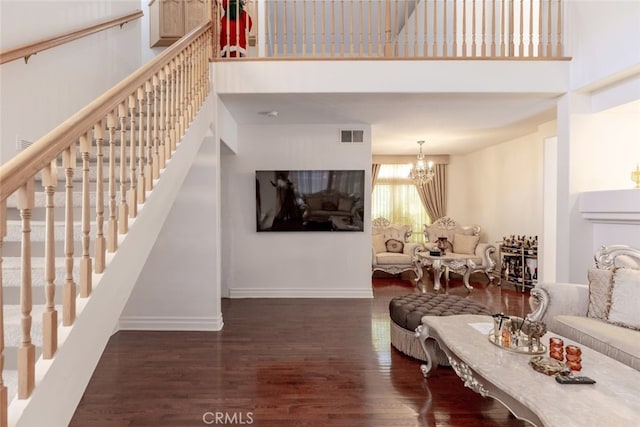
(288,362)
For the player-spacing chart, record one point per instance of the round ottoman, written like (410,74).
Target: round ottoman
(406,314)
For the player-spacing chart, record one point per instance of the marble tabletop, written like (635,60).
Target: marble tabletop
(613,401)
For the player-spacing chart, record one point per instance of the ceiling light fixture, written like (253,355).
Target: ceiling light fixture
(422,172)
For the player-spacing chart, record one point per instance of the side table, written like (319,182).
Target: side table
(458,263)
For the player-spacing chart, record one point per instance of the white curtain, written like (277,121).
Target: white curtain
(396,198)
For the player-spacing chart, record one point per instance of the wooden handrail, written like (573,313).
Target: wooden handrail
(25,51)
(30,161)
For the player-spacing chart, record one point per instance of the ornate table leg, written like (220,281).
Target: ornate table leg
(467,274)
(437,273)
(418,268)
(429,347)
(417,263)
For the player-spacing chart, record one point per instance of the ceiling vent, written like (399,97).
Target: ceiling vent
(353,136)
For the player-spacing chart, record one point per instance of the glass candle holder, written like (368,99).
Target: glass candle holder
(556,348)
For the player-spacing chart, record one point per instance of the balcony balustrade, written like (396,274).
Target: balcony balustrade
(397,29)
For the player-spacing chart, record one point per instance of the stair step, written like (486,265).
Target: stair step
(60,196)
(13,249)
(38,230)
(12,271)
(11,294)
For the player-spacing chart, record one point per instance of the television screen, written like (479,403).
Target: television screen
(309,200)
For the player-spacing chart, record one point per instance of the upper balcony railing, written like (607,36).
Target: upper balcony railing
(400,29)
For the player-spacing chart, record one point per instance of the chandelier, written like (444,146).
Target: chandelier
(422,172)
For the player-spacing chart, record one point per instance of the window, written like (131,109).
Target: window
(395,197)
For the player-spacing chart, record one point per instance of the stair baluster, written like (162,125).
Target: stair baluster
(174,105)
(100,244)
(133,190)
(156,143)
(148,141)
(26,350)
(167,113)
(112,225)
(162,119)
(182,95)
(69,288)
(50,315)
(85,261)
(142,197)
(123,211)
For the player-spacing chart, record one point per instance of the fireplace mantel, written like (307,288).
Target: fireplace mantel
(611,207)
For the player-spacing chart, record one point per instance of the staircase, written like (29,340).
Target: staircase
(12,263)
(80,209)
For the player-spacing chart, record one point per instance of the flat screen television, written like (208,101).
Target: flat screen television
(309,200)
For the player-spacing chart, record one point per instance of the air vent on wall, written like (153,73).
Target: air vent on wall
(21,144)
(351,136)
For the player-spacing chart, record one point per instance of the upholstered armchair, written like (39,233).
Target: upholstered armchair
(462,239)
(391,250)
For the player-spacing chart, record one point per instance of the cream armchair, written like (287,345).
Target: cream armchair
(391,250)
(462,240)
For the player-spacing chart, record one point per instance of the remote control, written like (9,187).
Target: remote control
(567,379)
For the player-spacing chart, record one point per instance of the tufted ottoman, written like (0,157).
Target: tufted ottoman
(406,314)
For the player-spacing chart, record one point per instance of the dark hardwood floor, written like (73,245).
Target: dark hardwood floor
(288,362)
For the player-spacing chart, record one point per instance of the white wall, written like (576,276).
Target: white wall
(602,38)
(178,288)
(291,264)
(499,187)
(594,151)
(56,83)
(604,150)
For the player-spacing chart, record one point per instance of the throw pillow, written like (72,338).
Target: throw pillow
(345,204)
(600,284)
(625,298)
(378,243)
(394,246)
(465,244)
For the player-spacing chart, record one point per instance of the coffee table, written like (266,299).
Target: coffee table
(439,263)
(531,396)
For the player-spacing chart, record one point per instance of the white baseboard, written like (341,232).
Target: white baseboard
(300,293)
(154,323)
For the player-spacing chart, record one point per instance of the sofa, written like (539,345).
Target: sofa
(463,240)
(391,250)
(604,313)
(322,205)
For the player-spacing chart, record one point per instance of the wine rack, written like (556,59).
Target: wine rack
(519,261)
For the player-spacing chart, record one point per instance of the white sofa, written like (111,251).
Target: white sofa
(391,250)
(603,314)
(467,243)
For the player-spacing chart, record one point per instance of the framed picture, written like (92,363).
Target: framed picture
(309,200)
